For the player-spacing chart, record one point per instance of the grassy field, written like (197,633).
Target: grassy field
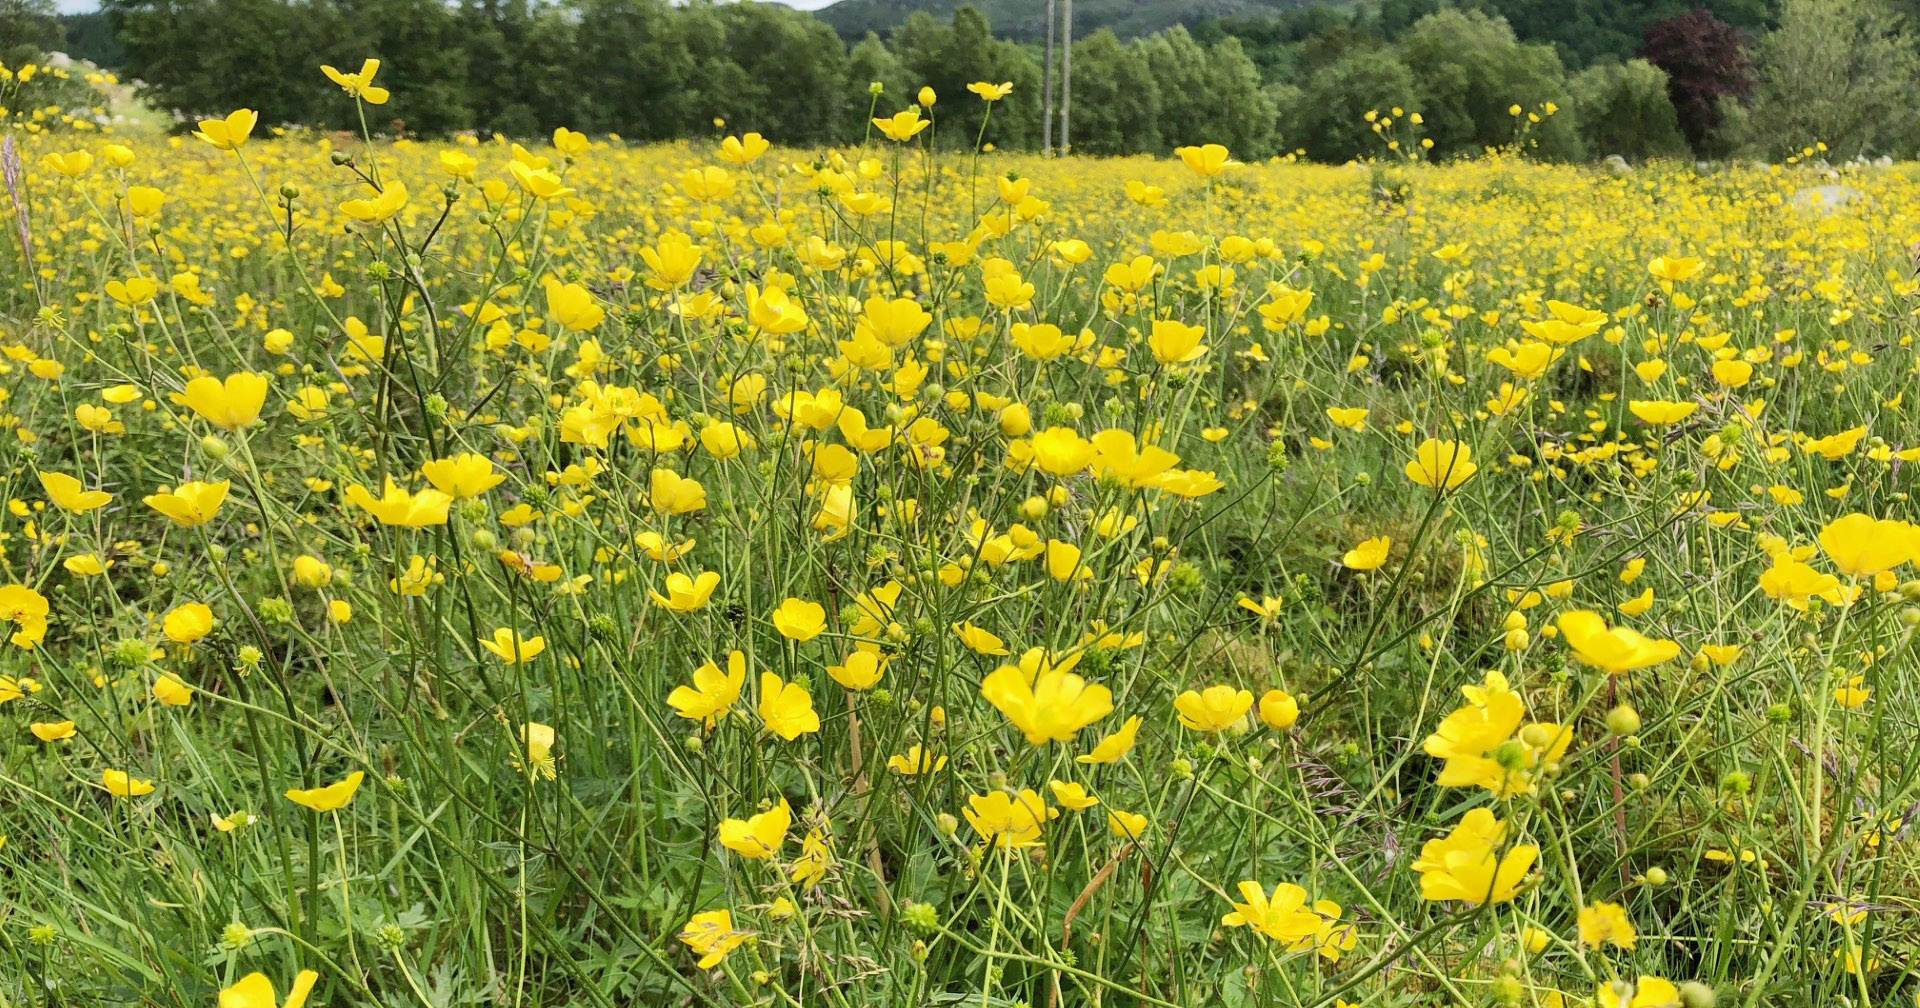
(692,575)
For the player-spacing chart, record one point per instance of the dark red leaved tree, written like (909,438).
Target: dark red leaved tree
(1706,59)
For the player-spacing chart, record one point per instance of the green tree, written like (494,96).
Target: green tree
(515,49)
(1471,71)
(423,61)
(794,69)
(191,59)
(1209,95)
(28,28)
(633,69)
(1116,103)
(1622,108)
(1839,72)
(870,62)
(1328,116)
(949,57)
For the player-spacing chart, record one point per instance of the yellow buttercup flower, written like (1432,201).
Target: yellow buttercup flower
(1441,465)
(330,798)
(255,991)
(712,692)
(1046,702)
(462,476)
(398,507)
(230,404)
(904,125)
(1205,160)
(360,85)
(230,133)
(1612,649)
(122,785)
(69,494)
(686,594)
(760,836)
(509,646)
(786,708)
(190,504)
(187,623)
(1369,555)
(1214,709)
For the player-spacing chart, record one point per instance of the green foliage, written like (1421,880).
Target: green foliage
(1622,108)
(1209,96)
(1116,101)
(1838,72)
(1471,70)
(27,29)
(90,37)
(1026,19)
(1328,121)
(949,57)
(1272,76)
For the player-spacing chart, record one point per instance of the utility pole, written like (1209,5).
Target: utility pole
(1066,80)
(1046,89)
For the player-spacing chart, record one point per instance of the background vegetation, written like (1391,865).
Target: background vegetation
(1635,78)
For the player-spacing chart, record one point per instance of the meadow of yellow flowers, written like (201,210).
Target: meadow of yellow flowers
(581,574)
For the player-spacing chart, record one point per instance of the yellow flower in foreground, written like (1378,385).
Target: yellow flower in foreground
(538,740)
(229,133)
(359,85)
(331,797)
(1466,865)
(1441,465)
(860,670)
(1009,819)
(464,475)
(1606,924)
(1675,268)
(191,504)
(712,692)
(120,785)
(1279,709)
(903,126)
(1369,555)
(51,731)
(1206,160)
(230,404)
(759,836)
(381,206)
(799,619)
(1283,917)
(786,708)
(69,494)
(1214,709)
(507,645)
(255,991)
(991,92)
(187,623)
(711,936)
(169,690)
(686,594)
(1615,649)
(1644,992)
(397,507)
(1047,705)
(1862,546)
(27,610)
(1114,747)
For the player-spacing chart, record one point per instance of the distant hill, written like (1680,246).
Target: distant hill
(1026,19)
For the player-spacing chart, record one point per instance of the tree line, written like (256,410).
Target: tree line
(1565,79)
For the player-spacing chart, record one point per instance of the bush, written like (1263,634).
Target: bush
(1622,108)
